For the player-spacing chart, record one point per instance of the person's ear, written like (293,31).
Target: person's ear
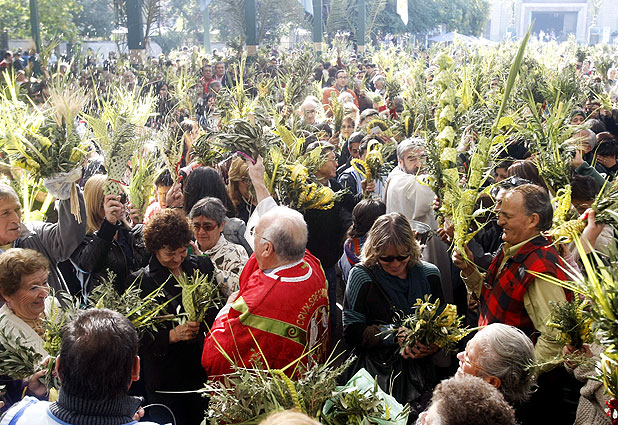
(268,249)
(494,381)
(535,219)
(135,369)
(57,367)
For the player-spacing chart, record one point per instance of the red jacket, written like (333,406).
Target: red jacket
(282,314)
(326,98)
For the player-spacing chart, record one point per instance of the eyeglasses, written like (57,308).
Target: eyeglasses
(466,359)
(207,226)
(391,258)
(253,234)
(513,181)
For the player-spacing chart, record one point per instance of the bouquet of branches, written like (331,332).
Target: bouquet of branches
(45,143)
(144,311)
(572,321)
(361,401)
(337,109)
(55,323)
(246,395)
(460,200)
(199,293)
(598,283)
(430,326)
(605,206)
(376,165)
(115,131)
(247,138)
(171,148)
(144,171)
(17,359)
(293,181)
(296,81)
(206,152)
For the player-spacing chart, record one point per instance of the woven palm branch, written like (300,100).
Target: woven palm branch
(144,171)
(43,140)
(199,293)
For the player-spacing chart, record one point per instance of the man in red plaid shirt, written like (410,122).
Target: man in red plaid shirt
(511,292)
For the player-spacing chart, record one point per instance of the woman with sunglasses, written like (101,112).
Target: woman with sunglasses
(382,288)
(207,218)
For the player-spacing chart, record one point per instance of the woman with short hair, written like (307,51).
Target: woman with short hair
(171,355)
(25,292)
(381,289)
(207,219)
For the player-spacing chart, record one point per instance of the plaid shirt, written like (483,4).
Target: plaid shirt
(502,295)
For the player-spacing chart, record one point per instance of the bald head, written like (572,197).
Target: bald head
(286,230)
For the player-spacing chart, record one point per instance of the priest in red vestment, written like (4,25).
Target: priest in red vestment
(280,314)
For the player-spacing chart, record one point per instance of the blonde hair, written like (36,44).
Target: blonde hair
(289,417)
(390,230)
(238,170)
(94,198)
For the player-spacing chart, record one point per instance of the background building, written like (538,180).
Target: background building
(589,21)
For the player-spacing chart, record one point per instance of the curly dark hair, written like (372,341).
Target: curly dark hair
(168,228)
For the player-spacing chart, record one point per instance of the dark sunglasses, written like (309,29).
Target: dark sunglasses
(207,227)
(392,258)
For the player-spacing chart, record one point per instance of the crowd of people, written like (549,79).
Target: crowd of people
(300,285)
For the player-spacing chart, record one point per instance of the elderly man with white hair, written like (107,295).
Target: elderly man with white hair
(281,310)
(309,110)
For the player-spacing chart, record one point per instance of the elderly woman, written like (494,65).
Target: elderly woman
(110,244)
(385,285)
(500,355)
(208,219)
(24,290)
(171,355)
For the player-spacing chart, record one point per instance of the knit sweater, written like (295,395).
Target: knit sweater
(71,410)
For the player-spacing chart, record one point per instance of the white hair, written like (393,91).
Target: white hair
(411,143)
(507,353)
(287,231)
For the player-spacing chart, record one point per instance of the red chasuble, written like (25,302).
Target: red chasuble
(284,310)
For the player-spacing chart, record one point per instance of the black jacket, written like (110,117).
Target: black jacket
(327,229)
(173,367)
(100,252)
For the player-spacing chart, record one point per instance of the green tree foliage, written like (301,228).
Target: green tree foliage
(95,18)
(228,17)
(464,16)
(343,16)
(56,17)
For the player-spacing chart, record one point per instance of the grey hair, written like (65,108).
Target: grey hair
(287,231)
(7,191)
(536,201)
(592,137)
(308,102)
(411,143)
(209,207)
(507,353)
